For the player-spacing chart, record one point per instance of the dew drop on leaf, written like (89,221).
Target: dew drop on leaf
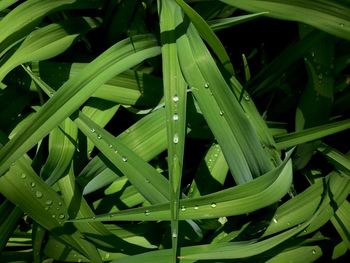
(175,117)
(246,97)
(23,176)
(175,98)
(174,235)
(275,220)
(183,208)
(314,252)
(124,159)
(92,130)
(213,205)
(147,212)
(32,184)
(176,138)
(61,216)
(49,202)
(206,85)
(99,137)
(196,207)
(38,194)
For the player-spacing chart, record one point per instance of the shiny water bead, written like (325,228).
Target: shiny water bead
(38,194)
(176,138)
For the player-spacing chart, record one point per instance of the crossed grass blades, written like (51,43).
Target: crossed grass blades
(137,131)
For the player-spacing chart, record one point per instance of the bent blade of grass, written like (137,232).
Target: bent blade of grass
(22,20)
(330,16)
(332,191)
(45,43)
(237,200)
(75,92)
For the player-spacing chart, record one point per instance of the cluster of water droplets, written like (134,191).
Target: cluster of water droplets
(99,137)
(49,204)
(214,154)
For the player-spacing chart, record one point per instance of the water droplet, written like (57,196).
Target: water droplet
(99,136)
(92,130)
(94,217)
(12,164)
(61,216)
(79,260)
(116,151)
(174,235)
(183,208)
(196,207)
(320,76)
(221,113)
(314,252)
(341,25)
(107,256)
(111,216)
(110,146)
(206,85)
(305,231)
(60,203)
(53,216)
(147,212)
(49,202)
(213,205)
(288,223)
(312,54)
(246,97)
(175,98)
(23,176)
(175,117)
(47,208)
(125,159)
(32,184)
(275,220)
(147,181)
(38,194)
(176,138)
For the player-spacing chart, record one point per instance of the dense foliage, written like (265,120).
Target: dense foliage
(174,131)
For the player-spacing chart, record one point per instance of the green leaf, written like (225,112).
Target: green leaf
(330,16)
(295,138)
(75,92)
(237,200)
